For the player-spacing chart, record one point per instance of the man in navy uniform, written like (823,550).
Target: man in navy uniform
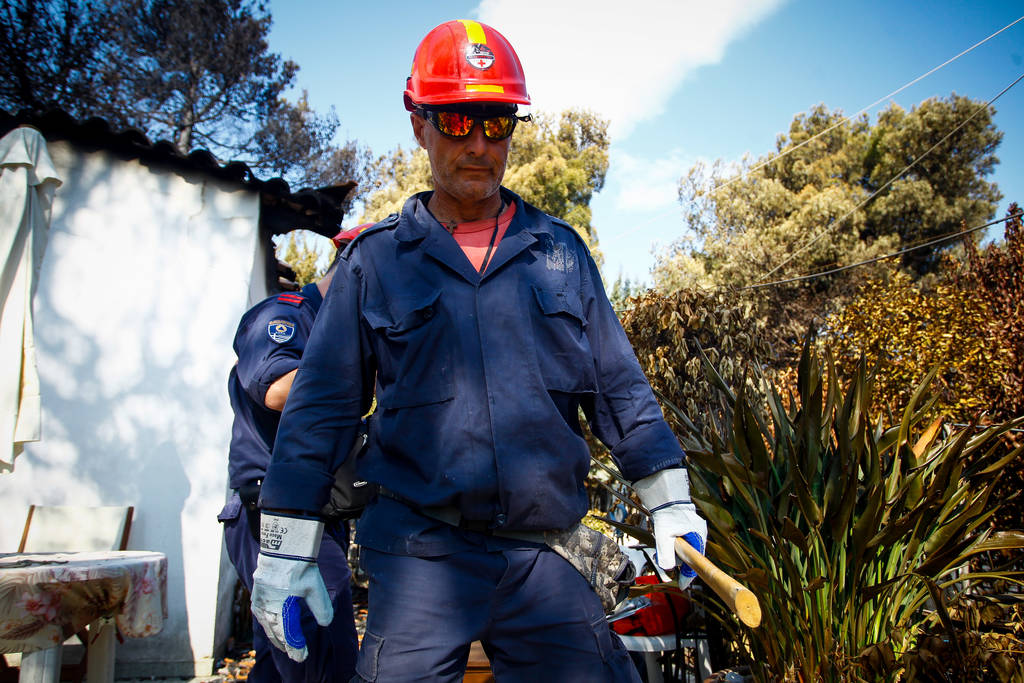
(269,343)
(482,327)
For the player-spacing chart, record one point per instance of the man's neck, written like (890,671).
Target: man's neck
(450,212)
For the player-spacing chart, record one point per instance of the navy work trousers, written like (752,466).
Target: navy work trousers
(332,650)
(535,615)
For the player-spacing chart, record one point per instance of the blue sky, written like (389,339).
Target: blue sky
(679,80)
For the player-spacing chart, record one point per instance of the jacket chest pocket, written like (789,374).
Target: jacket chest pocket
(413,352)
(561,344)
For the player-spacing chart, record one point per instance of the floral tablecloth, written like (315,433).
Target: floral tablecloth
(47,597)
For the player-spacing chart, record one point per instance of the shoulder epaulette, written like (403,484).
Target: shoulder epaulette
(389,222)
(560,221)
(565,224)
(291,298)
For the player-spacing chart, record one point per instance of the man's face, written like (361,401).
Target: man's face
(469,169)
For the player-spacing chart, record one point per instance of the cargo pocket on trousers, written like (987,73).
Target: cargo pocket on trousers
(617,661)
(231,509)
(603,636)
(369,656)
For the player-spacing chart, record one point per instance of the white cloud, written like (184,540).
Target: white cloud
(622,60)
(646,185)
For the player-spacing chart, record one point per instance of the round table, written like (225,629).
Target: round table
(47,597)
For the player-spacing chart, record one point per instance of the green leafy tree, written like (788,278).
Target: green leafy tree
(199,74)
(397,175)
(308,254)
(48,54)
(622,290)
(296,144)
(558,163)
(827,197)
(202,75)
(555,163)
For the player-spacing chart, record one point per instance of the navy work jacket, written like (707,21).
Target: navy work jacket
(269,343)
(478,379)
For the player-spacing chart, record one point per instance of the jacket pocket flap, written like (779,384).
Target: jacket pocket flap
(419,314)
(553,303)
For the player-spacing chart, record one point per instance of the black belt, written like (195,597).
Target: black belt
(250,494)
(451,515)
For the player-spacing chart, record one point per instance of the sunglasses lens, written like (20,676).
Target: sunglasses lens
(499,127)
(453,124)
(458,125)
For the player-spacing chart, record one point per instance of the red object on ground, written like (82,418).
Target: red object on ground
(665,615)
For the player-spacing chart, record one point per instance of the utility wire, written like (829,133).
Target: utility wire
(782,154)
(807,244)
(882,258)
(870,106)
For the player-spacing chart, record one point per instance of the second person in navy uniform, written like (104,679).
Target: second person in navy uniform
(269,344)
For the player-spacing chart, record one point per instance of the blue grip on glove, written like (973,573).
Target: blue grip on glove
(291,616)
(697,542)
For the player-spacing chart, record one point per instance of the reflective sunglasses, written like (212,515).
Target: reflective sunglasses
(458,125)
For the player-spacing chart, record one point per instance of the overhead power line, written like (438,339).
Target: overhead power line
(782,154)
(876,259)
(831,226)
(869,107)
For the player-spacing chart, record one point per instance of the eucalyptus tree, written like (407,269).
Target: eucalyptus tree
(832,193)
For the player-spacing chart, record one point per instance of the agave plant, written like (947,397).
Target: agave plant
(855,536)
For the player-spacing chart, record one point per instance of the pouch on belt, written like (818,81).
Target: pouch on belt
(598,558)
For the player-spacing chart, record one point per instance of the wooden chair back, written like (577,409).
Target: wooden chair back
(76,528)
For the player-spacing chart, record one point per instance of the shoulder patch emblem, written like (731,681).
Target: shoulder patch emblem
(280,331)
(370,228)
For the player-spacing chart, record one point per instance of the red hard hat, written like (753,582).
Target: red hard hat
(346,236)
(465,61)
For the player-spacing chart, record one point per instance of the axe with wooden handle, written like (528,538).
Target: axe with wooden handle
(736,596)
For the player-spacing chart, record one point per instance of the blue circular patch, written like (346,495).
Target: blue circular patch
(280,331)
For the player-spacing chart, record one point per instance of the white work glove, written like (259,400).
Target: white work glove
(666,494)
(286,572)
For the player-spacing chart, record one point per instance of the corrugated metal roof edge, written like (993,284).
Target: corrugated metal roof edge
(319,209)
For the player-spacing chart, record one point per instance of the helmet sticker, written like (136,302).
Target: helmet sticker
(479,56)
(280,331)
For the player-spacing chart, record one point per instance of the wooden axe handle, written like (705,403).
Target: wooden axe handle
(738,597)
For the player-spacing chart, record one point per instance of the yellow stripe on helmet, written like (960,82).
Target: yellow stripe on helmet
(480,87)
(474,31)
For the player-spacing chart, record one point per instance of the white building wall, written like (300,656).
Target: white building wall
(145,277)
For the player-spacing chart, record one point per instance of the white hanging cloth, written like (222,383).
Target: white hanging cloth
(28,181)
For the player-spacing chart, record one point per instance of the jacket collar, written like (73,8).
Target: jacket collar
(418,224)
